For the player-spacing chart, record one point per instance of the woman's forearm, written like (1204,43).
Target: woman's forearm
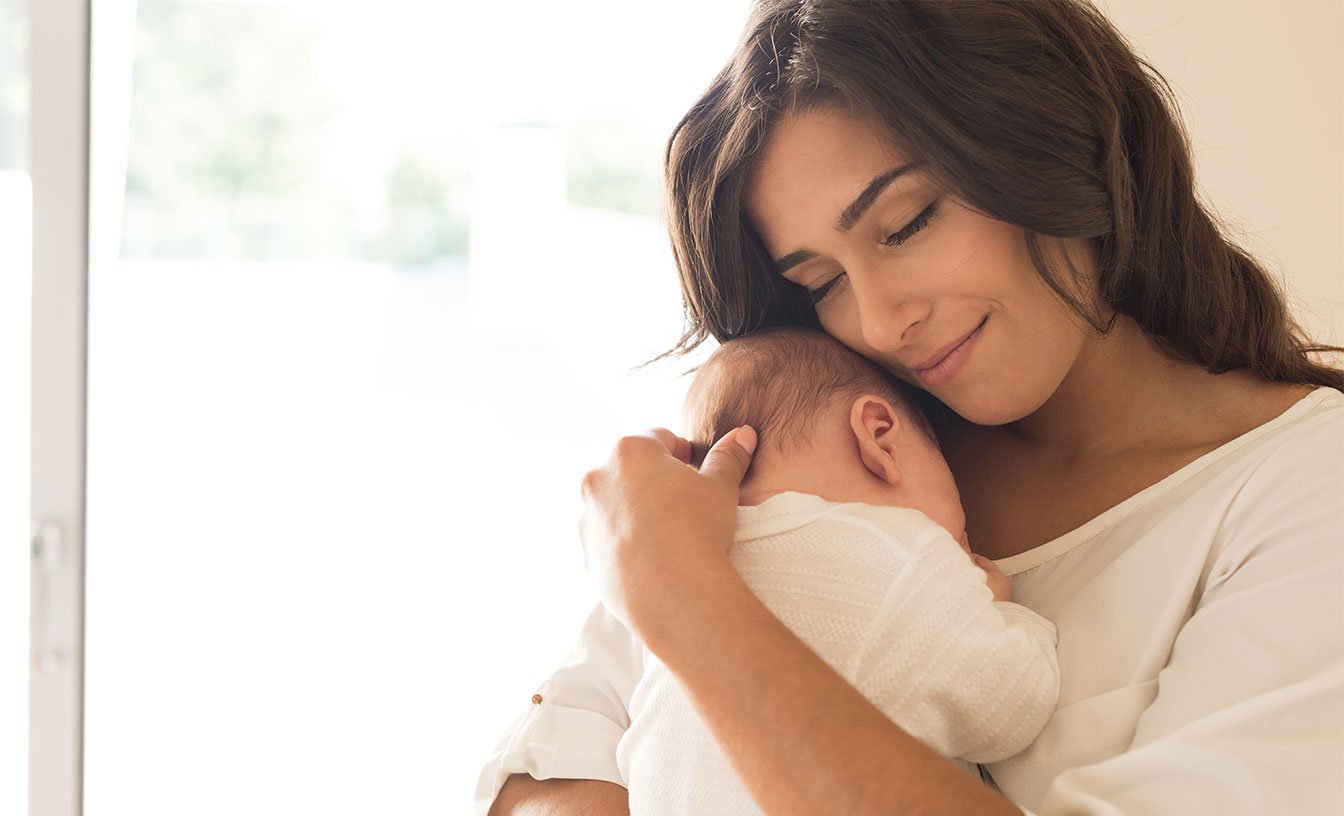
(656,533)
(524,796)
(801,738)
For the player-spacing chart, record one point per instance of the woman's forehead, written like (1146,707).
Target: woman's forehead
(815,162)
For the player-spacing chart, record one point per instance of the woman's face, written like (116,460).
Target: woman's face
(942,296)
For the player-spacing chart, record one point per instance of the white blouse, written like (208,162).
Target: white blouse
(1201,646)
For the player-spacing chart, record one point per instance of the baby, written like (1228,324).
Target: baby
(851,531)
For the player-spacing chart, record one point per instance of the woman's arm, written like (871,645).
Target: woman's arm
(802,739)
(524,796)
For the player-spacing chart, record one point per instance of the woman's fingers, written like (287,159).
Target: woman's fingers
(730,457)
(634,448)
(650,523)
(675,445)
(678,447)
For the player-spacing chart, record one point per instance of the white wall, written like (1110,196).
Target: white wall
(1261,85)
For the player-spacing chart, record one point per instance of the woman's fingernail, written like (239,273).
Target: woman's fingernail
(746,437)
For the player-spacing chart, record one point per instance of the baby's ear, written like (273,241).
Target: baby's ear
(876,427)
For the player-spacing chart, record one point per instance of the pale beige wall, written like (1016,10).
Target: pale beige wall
(1261,85)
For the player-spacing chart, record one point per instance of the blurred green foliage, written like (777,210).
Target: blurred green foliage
(230,125)
(224,102)
(429,208)
(612,166)
(227,120)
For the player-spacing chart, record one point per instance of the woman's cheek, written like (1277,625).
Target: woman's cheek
(841,321)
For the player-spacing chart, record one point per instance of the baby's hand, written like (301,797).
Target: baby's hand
(998,584)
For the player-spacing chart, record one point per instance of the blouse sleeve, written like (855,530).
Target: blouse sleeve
(571,727)
(1249,712)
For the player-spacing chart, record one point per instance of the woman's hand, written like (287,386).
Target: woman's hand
(652,524)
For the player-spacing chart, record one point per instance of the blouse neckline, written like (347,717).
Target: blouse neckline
(1062,544)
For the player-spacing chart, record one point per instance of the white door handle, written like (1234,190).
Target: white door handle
(50,649)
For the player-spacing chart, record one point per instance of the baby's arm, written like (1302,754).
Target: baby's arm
(969,674)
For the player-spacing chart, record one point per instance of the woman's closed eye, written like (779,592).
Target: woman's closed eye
(819,293)
(916,224)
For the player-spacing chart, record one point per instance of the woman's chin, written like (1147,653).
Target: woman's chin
(991,407)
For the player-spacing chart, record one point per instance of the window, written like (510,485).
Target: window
(15,294)
(367,309)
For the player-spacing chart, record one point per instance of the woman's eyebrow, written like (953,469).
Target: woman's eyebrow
(851,215)
(860,205)
(793,259)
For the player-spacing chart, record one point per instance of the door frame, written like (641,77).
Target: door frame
(58,48)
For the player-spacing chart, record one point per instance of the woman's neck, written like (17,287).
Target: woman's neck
(1124,393)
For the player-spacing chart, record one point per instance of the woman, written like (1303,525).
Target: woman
(995,202)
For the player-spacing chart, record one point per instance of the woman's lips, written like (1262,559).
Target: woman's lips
(951,363)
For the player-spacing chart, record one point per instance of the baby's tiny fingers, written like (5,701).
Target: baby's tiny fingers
(984,563)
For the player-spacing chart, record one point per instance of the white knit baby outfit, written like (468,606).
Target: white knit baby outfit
(888,599)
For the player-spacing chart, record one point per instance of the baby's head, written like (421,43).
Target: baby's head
(829,423)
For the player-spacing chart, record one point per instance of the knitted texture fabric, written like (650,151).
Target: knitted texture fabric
(890,601)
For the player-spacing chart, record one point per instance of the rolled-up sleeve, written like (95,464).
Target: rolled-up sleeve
(576,718)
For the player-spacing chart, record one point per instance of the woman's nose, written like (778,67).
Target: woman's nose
(887,315)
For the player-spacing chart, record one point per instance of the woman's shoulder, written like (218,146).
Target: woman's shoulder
(1278,485)
(1323,401)
(1294,462)
(1243,426)
(1297,454)
(1310,428)
(1225,411)
(1276,488)
(1284,404)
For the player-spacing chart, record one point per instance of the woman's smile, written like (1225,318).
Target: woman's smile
(944,366)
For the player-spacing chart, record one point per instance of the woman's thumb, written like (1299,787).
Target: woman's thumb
(731,456)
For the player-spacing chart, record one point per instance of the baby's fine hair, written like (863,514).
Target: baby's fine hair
(780,381)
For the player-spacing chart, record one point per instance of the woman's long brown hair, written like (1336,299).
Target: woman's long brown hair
(1038,114)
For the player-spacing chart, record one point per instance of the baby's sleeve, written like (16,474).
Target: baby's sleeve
(970,677)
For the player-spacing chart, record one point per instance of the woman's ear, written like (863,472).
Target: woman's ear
(876,428)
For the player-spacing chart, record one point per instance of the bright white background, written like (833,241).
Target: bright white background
(332,499)
(15,323)
(15,296)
